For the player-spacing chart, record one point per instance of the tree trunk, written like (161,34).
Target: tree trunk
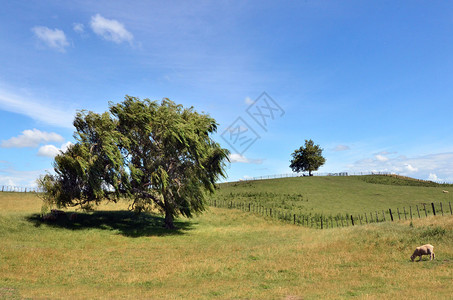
(169,220)
(309,173)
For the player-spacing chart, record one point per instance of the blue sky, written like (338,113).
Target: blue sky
(369,81)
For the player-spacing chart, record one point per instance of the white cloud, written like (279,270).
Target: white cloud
(52,151)
(249,101)
(438,164)
(433,177)
(53,38)
(110,29)
(11,177)
(341,148)
(31,138)
(79,28)
(36,109)
(48,151)
(410,168)
(236,157)
(382,158)
(65,146)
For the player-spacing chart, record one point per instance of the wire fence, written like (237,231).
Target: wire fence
(320,221)
(19,189)
(286,175)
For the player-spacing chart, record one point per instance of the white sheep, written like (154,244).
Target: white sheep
(423,250)
(445,192)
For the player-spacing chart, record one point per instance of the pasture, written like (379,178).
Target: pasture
(331,195)
(221,254)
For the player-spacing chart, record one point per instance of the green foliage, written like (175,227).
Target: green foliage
(157,155)
(433,232)
(307,158)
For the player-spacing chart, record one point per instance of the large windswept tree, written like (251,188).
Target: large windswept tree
(157,155)
(307,158)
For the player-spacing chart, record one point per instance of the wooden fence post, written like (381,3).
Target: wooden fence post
(342,225)
(321,222)
(377,219)
(424,206)
(410,211)
(352,220)
(434,210)
(398,210)
(391,216)
(418,212)
(294,218)
(366,219)
(405,218)
(451,212)
(383,215)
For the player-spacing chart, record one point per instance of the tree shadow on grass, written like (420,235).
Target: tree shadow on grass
(126,223)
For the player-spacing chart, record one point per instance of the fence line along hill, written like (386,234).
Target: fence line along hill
(317,200)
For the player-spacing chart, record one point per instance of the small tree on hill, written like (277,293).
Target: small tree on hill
(307,158)
(156,155)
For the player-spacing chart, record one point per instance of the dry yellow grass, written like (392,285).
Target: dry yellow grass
(222,254)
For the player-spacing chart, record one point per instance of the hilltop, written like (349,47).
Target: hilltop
(335,194)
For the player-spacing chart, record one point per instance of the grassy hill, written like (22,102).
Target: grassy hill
(222,254)
(335,196)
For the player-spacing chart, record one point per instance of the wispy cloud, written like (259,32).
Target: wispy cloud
(381,157)
(52,151)
(341,148)
(52,38)
(9,176)
(425,167)
(31,138)
(35,109)
(110,29)
(249,101)
(79,28)
(238,158)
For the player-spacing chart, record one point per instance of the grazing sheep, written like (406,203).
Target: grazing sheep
(423,250)
(49,217)
(445,192)
(57,213)
(54,215)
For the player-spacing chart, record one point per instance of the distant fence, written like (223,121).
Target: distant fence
(320,221)
(275,176)
(304,174)
(18,189)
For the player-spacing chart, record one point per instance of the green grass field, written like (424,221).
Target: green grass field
(336,195)
(222,254)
